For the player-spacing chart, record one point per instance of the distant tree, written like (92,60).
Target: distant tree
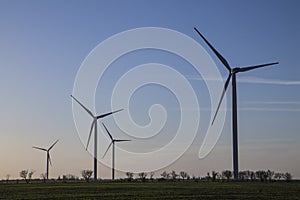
(252,176)
(7,177)
(247,175)
(265,175)
(288,176)
(270,175)
(129,175)
(86,174)
(165,175)
(23,174)
(72,177)
(227,174)
(151,175)
(174,175)
(143,175)
(214,175)
(278,176)
(262,175)
(259,175)
(193,177)
(30,175)
(44,177)
(208,177)
(183,174)
(69,177)
(244,175)
(241,175)
(26,176)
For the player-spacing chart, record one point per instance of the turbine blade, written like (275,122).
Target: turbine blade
(222,59)
(122,140)
(52,145)
(92,126)
(39,148)
(49,159)
(108,132)
(106,114)
(222,96)
(244,69)
(87,110)
(107,149)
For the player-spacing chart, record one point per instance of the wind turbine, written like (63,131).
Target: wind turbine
(113,150)
(232,75)
(94,125)
(48,156)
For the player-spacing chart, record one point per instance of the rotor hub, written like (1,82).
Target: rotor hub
(235,70)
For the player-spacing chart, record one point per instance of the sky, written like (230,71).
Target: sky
(44,43)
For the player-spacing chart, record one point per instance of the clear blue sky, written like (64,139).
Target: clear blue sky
(43,43)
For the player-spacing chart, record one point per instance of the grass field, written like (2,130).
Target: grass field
(151,190)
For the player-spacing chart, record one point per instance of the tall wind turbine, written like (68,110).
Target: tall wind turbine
(232,75)
(94,126)
(48,157)
(113,150)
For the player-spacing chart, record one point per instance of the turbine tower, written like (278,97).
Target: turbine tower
(113,150)
(48,156)
(232,76)
(94,126)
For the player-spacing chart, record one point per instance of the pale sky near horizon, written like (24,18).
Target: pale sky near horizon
(42,46)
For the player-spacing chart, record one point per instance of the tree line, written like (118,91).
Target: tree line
(226,175)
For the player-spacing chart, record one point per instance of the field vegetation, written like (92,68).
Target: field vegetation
(155,189)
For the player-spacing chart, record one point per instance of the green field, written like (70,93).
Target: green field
(151,190)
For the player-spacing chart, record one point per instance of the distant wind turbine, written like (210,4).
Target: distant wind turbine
(232,75)
(113,150)
(94,125)
(48,156)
